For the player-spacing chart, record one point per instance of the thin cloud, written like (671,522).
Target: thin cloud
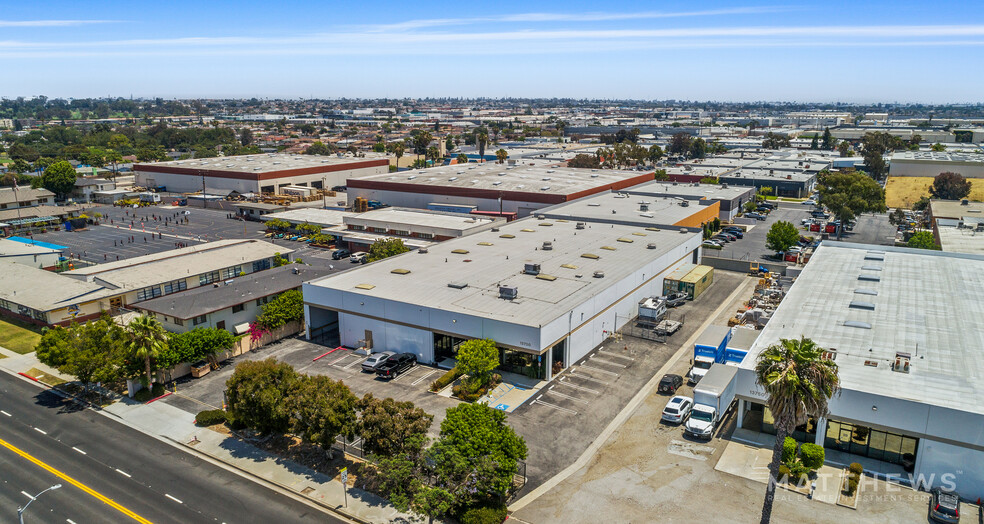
(566,17)
(51,23)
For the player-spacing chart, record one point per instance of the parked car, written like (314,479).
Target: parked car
(339,254)
(711,243)
(722,239)
(360,257)
(396,364)
(944,506)
(676,299)
(375,360)
(670,383)
(770,205)
(819,214)
(734,231)
(677,409)
(763,209)
(729,236)
(809,202)
(756,216)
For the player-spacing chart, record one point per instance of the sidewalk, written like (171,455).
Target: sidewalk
(177,426)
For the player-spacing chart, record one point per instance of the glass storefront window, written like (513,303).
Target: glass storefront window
(533,366)
(873,443)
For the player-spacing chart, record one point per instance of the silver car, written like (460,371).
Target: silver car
(370,364)
(677,409)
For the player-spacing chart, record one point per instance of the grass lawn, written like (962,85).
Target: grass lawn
(45,378)
(18,336)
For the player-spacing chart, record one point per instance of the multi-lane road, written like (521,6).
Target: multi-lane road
(110,472)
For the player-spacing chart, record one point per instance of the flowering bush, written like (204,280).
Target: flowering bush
(256,331)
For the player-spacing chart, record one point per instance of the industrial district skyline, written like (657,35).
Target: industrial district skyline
(839,52)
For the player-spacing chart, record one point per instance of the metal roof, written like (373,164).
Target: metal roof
(264,163)
(928,304)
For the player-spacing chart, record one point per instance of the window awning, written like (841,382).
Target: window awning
(241,328)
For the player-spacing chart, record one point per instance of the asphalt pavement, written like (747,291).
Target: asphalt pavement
(112,473)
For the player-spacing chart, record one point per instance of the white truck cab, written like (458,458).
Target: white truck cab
(702,421)
(699,369)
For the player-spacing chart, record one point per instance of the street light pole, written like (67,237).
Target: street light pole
(20,511)
(324,193)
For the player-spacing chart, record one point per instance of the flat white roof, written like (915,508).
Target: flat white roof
(526,177)
(937,157)
(709,191)
(395,216)
(318,217)
(264,163)
(868,302)
(961,240)
(485,260)
(626,208)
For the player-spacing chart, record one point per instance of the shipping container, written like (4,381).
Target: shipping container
(697,281)
(671,283)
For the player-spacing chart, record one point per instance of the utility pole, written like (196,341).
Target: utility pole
(324,193)
(204,200)
(20,511)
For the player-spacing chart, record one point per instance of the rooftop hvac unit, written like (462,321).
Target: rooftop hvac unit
(651,245)
(422,250)
(508,292)
(495,230)
(684,230)
(599,274)
(965,202)
(547,245)
(531,269)
(579,225)
(643,207)
(901,362)
(684,203)
(724,186)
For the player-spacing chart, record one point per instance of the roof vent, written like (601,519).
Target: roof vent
(860,304)
(869,278)
(531,269)
(457,285)
(901,364)
(508,292)
(684,230)
(599,274)
(547,245)
(422,250)
(495,230)
(872,256)
(651,245)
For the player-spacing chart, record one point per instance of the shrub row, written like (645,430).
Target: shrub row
(146,394)
(495,514)
(446,379)
(855,471)
(210,417)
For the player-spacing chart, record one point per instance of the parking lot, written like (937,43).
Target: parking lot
(752,246)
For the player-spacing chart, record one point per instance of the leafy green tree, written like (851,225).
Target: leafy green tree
(385,248)
(194,345)
(287,307)
(433,153)
(922,240)
(850,194)
(147,340)
(379,147)
(781,236)
(680,144)
(844,149)
(501,155)
(774,141)
(431,502)
(478,358)
(421,140)
(279,260)
(391,428)
(584,161)
(59,178)
(660,174)
(655,153)
(449,143)
(815,143)
(476,454)
(921,205)
(462,158)
(257,394)
(938,147)
(950,186)
(897,217)
(827,143)
(91,352)
(321,409)
(798,382)
(320,148)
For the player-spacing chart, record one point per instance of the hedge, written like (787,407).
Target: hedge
(446,379)
(485,515)
(856,469)
(852,486)
(788,450)
(210,417)
(812,456)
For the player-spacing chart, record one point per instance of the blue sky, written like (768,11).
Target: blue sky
(865,51)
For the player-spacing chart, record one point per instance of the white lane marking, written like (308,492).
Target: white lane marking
(554,406)
(582,376)
(41,431)
(568,397)
(358,361)
(599,370)
(79,450)
(174,499)
(28,495)
(606,362)
(121,472)
(421,379)
(570,384)
(613,354)
(339,359)
(4,412)
(70,521)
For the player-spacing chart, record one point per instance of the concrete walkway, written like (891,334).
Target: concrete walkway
(752,462)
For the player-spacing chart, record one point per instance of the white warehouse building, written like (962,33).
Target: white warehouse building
(547,291)
(904,328)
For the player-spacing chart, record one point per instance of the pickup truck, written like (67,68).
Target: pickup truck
(396,364)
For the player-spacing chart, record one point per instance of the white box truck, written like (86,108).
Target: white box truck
(712,397)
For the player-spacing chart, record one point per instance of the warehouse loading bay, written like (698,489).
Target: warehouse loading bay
(558,423)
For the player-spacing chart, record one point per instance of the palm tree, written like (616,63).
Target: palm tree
(147,339)
(481,140)
(501,155)
(799,382)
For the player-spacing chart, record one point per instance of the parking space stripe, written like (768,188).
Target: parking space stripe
(589,377)
(358,361)
(339,359)
(613,354)
(421,379)
(599,370)
(575,386)
(568,397)
(606,362)
(553,406)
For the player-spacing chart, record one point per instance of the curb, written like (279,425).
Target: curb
(262,480)
(21,373)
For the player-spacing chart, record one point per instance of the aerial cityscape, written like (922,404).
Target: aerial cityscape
(554,263)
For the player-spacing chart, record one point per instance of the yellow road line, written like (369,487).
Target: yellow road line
(75,483)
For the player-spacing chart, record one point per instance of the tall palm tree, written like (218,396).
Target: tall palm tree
(799,382)
(147,339)
(481,140)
